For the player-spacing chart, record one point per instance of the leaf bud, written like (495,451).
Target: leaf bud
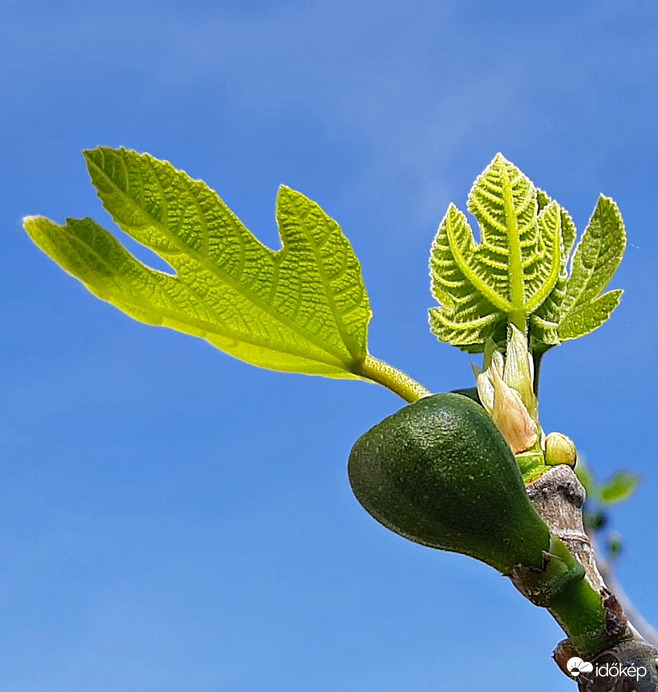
(560,449)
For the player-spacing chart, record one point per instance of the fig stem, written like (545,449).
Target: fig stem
(581,613)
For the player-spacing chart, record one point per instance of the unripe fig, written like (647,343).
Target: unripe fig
(440,473)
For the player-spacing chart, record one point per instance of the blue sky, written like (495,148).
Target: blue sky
(173,520)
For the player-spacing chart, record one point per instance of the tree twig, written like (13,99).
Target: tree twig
(607,571)
(559,497)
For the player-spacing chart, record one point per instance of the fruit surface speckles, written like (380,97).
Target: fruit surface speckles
(439,473)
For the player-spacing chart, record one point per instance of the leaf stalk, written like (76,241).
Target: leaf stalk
(397,381)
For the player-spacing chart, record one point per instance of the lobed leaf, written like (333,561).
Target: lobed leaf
(596,259)
(505,277)
(519,272)
(583,319)
(544,323)
(466,317)
(303,308)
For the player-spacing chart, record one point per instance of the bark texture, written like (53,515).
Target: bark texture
(630,664)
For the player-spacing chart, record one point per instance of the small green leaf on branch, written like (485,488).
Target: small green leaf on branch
(596,259)
(619,488)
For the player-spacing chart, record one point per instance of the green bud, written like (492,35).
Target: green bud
(560,449)
(505,388)
(440,473)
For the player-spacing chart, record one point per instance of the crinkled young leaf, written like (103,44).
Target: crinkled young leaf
(520,272)
(544,323)
(505,277)
(303,308)
(583,319)
(595,261)
(466,317)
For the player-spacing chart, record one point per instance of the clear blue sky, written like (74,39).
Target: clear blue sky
(173,520)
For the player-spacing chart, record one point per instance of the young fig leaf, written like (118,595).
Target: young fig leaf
(596,259)
(506,277)
(303,308)
(519,273)
(576,305)
(544,322)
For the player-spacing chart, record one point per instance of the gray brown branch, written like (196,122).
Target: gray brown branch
(636,618)
(631,664)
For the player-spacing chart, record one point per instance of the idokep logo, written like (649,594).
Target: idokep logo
(577,667)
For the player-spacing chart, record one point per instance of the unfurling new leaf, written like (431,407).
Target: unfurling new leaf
(303,308)
(519,272)
(509,274)
(595,261)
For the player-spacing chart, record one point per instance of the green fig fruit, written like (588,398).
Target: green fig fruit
(440,473)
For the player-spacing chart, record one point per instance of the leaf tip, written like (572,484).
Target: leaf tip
(287,191)
(31,224)
(89,153)
(500,159)
(286,194)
